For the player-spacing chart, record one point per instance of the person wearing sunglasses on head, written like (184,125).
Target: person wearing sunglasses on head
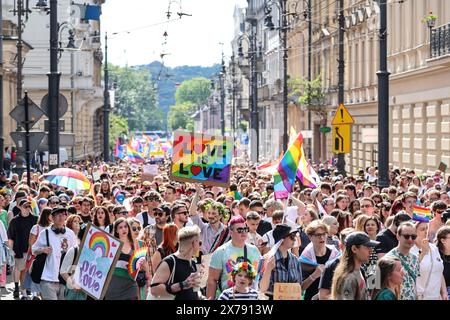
(230,253)
(283,266)
(406,236)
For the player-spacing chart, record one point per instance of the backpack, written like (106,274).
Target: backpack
(145,218)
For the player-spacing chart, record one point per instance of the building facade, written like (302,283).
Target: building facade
(80,69)
(419,126)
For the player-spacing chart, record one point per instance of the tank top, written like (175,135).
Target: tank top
(121,269)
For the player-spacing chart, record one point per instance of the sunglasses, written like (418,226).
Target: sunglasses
(407,236)
(136,229)
(54,202)
(26,207)
(159,214)
(182,212)
(243,230)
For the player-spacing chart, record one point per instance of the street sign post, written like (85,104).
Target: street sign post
(341,138)
(62,105)
(342,116)
(341,131)
(27,114)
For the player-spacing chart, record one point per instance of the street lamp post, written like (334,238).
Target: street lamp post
(383,103)
(254,115)
(53,83)
(106,108)
(222,96)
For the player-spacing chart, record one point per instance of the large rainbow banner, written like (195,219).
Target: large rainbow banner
(202,158)
(96,261)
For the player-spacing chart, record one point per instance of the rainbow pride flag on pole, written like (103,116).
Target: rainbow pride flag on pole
(133,155)
(421,214)
(284,177)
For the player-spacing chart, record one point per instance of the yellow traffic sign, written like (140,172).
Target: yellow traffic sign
(341,139)
(342,116)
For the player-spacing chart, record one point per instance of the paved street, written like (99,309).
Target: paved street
(7,293)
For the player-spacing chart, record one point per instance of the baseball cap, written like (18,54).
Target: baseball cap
(282,231)
(23,202)
(164,208)
(360,238)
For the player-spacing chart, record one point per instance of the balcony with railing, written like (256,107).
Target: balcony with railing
(440,44)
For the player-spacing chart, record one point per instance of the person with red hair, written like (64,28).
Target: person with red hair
(168,246)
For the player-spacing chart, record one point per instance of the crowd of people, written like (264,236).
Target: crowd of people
(346,239)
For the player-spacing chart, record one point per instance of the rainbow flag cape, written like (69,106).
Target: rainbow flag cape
(133,155)
(421,214)
(284,177)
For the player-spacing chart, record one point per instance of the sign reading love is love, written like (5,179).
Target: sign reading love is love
(99,252)
(202,158)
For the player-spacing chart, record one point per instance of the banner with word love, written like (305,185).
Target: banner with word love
(99,252)
(202,158)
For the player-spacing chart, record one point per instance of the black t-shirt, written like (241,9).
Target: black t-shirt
(327,276)
(313,289)
(183,270)
(263,227)
(19,231)
(159,236)
(305,240)
(446,269)
(16,211)
(388,241)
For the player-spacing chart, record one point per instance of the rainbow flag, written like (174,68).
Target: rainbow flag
(284,177)
(133,155)
(421,214)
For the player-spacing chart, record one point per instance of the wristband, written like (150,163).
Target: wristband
(169,288)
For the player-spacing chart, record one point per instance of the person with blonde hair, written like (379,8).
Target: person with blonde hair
(177,274)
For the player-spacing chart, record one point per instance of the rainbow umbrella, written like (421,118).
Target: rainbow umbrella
(68,178)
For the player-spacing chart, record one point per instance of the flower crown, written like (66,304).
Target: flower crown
(244,266)
(217,206)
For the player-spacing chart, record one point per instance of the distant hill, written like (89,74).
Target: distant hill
(167,78)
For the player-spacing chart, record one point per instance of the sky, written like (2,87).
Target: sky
(192,40)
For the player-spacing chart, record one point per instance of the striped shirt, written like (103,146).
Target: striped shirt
(230,294)
(289,271)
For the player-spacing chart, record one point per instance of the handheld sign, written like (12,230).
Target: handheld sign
(202,158)
(99,252)
(287,291)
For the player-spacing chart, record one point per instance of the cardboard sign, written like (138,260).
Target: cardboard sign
(442,167)
(202,158)
(151,169)
(287,291)
(99,252)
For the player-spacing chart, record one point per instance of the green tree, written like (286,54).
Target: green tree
(309,93)
(135,98)
(195,91)
(179,117)
(118,127)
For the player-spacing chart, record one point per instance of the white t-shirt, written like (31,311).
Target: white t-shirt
(68,260)
(37,229)
(60,243)
(140,217)
(431,267)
